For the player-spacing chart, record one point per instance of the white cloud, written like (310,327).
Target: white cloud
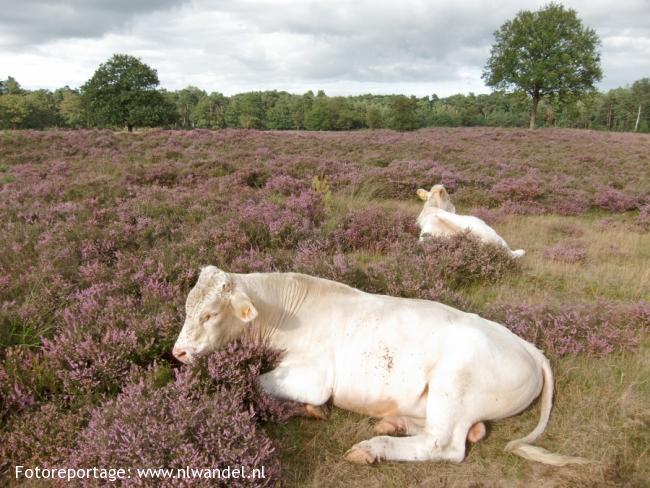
(413,47)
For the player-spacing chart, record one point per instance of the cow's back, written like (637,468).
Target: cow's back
(382,350)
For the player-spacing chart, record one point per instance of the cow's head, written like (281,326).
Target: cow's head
(436,197)
(216,312)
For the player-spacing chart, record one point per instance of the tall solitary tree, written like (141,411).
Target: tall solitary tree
(122,92)
(547,52)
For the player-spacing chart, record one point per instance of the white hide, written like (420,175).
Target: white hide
(423,365)
(438,220)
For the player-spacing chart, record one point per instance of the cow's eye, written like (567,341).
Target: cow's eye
(206,317)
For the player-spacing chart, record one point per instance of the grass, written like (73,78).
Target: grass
(617,265)
(602,405)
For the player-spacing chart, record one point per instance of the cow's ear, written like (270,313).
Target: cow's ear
(423,194)
(243,307)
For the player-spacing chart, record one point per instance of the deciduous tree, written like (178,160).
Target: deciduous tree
(545,52)
(402,113)
(122,92)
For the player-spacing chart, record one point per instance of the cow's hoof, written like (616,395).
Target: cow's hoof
(320,412)
(360,455)
(386,427)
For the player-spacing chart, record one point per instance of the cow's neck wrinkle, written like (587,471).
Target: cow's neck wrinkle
(277,298)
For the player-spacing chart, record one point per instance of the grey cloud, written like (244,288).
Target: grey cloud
(258,44)
(31,22)
(364,41)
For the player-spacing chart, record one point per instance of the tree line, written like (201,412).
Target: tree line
(191,107)
(543,66)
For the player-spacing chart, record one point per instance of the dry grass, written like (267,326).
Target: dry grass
(602,407)
(617,266)
(602,411)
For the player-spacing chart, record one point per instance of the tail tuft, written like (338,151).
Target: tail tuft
(518,253)
(541,455)
(522,447)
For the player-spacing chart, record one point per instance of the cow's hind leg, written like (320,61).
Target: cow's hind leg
(413,426)
(399,426)
(445,432)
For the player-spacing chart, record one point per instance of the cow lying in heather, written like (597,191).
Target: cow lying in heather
(427,370)
(438,218)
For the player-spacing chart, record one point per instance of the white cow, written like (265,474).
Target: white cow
(428,370)
(438,219)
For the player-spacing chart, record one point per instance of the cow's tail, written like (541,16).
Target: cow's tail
(523,447)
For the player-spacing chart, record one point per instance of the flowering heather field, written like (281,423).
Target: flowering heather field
(103,235)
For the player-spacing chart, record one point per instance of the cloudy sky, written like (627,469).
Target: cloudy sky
(344,47)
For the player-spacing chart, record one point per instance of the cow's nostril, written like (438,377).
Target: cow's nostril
(179,354)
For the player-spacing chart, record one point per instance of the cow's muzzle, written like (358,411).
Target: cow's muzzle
(181,355)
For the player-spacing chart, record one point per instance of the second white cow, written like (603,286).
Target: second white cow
(438,219)
(427,370)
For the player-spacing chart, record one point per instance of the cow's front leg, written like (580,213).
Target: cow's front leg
(305,384)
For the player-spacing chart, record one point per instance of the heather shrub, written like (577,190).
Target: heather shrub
(236,368)
(229,239)
(95,363)
(523,208)
(44,437)
(14,396)
(253,261)
(609,224)
(221,169)
(527,188)
(253,178)
(205,417)
(463,259)
(429,269)
(643,219)
(390,278)
(167,175)
(25,378)
(567,253)
(285,184)
(272,225)
(570,201)
(103,234)
(315,258)
(309,205)
(580,328)
(174,426)
(400,178)
(106,330)
(616,200)
(374,229)
(488,215)
(472,196)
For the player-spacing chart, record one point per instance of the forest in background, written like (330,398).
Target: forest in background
(621,109)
